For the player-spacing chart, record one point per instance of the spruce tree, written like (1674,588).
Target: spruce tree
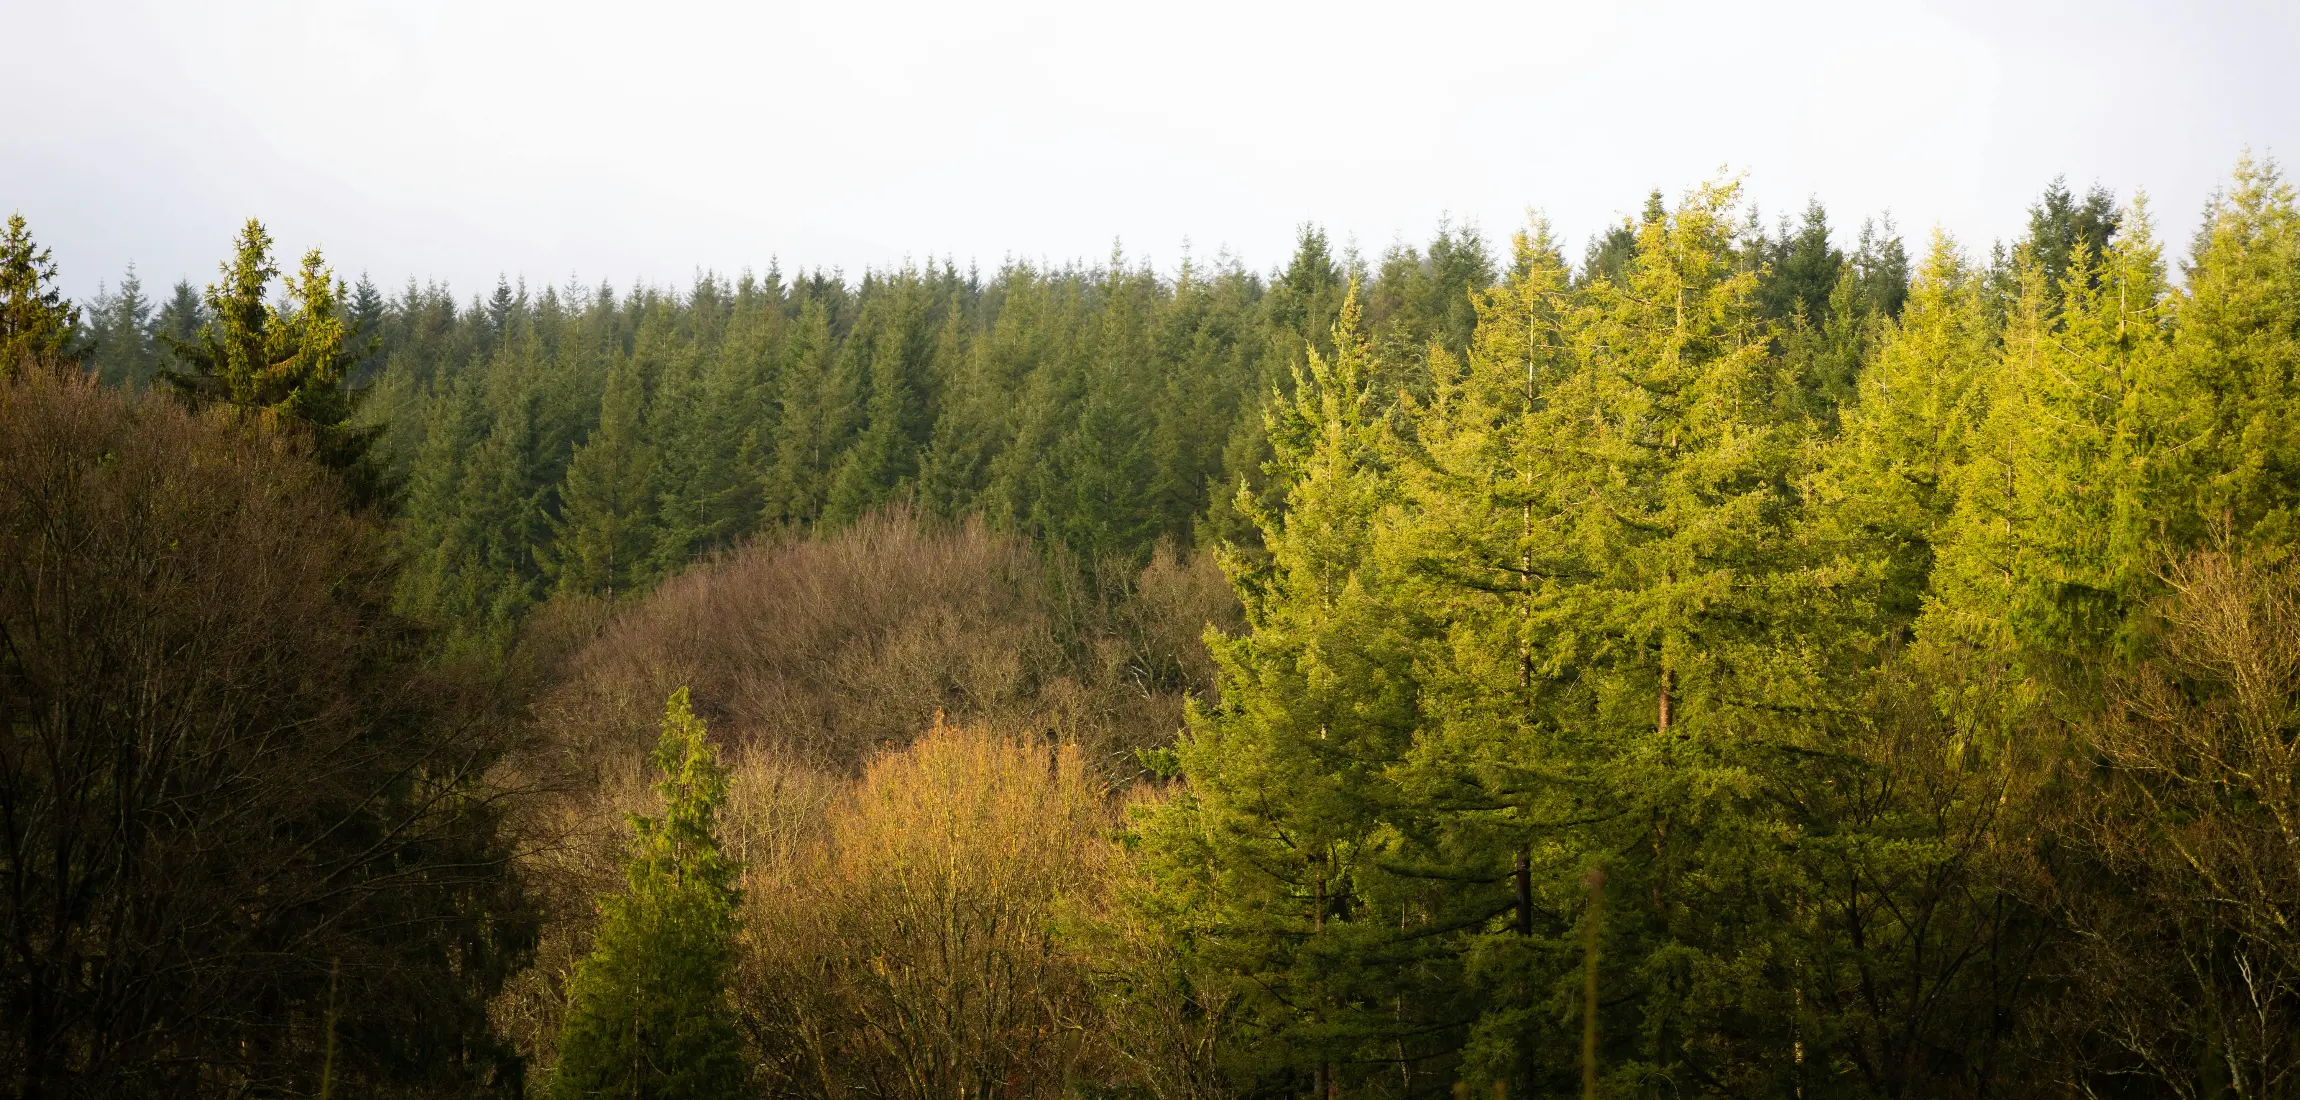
(648,1014)
(605,528)
(366,313)
(123,351)
(2060,225)
(1801,267)
(1886,489)
(890,357)
(1272,862)
(36,323)
(182,316)
(290,366)
(811,418)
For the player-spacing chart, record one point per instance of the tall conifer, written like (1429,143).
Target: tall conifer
(648,1014)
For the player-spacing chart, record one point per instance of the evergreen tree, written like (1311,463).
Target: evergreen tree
(811,417)
(648,1015)
(289,365)
(181,317)
(2059,527)
(1610,253)
(1886,489)
(1263,861)
(2237,343)
(2060,226)
(1880,269)
(892,351)
(36,323)
(123,351)
(364,329)
(605,526)
(1801,267)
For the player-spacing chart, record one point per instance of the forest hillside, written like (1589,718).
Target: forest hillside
(1745,658)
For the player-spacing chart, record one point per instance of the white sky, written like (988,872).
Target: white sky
(647,140)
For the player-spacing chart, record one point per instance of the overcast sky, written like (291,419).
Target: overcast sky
(648,140)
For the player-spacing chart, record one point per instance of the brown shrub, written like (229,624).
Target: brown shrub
(910,949)
(831,649)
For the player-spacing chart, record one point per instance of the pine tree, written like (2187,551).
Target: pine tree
(648,1013)
(36,323)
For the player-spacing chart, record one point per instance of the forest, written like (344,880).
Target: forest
(1750,658)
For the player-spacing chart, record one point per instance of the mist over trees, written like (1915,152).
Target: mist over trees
(1754,657)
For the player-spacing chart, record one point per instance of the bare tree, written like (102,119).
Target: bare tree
(242,824)
(2187,908)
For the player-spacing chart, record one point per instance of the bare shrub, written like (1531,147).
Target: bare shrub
(829,648)
(911,950)
(835,648)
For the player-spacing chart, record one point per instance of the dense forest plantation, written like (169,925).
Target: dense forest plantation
(1747,658)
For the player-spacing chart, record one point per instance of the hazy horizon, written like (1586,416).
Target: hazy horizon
(585,143)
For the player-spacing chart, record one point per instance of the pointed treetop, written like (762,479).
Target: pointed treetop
(36,323)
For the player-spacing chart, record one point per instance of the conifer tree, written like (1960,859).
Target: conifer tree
(1880,268)
(2058,528)
(2060,225)
(1269,858)
(181,316)
(435,529)
(892,348)
(122,352)
(1886,489)
(36,323)
(1486,794)
(811,417)
(2237,342)
(1802,267)
(604,531)
(288,365)
(648,1014)
(1671,479)
(366,313)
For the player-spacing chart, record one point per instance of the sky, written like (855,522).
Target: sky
(578,141)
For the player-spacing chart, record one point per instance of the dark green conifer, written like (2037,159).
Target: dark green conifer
(604,533)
